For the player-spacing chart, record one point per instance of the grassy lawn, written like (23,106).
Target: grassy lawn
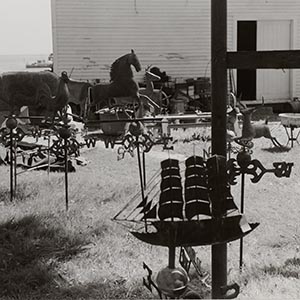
(48,253)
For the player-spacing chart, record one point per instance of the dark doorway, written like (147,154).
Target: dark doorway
(246,41)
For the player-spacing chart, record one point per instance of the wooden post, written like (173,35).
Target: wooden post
(219,103)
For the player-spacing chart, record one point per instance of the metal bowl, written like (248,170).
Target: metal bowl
(113,128)
(172,282)
(290,119)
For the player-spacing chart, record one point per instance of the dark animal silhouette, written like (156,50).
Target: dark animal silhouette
(121,83)
(253,131)
(163,75)
(45,93)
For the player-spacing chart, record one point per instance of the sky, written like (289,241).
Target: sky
(25,27)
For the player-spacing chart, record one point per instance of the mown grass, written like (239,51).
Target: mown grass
(47,252)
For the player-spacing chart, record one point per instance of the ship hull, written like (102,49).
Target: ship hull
(196,233)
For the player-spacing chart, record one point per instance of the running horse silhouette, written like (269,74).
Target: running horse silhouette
(44,93)
(121,84)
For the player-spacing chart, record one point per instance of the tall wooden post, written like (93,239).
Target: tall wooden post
(219,103)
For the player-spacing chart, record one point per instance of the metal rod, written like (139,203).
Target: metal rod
(15,165)
(144,168)
(48,154)
(11,167)
(66,173)
(172,117)
(242,211)
(141,174)
(172,253)
(219,102)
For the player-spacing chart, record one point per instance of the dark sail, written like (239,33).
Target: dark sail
(150,214)
(195,188)
(230,205)
(170,200)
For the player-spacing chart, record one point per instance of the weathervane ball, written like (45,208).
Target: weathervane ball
(243,158)
(136,129)
(11,123)
(64,133)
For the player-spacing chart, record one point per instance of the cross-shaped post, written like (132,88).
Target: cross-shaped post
(221,61)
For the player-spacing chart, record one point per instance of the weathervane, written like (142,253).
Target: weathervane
(245,165)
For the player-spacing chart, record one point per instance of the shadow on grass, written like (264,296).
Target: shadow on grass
(290,269)
(277,149)
(30,252)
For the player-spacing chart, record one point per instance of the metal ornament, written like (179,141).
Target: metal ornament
(244,165)
(90,142)
(148,281)
(70,145)
(177,223)
(64,147)
(7,134)
(10,136)
(130,142)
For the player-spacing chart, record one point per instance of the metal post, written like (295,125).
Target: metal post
(15,165)
(219,102)
(11,166)
(144,169)
(66,172)
(48,154)
(172,254)
(141,174)
(242,211)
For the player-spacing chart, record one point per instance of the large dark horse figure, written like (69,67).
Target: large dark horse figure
(121,83)
(44,93)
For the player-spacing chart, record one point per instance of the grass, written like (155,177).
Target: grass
(48,253)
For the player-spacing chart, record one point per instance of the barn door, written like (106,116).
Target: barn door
(273,35)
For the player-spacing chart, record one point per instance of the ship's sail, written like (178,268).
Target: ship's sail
(195,188)
(171,199)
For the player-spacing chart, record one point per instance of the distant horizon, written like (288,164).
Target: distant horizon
(26,54)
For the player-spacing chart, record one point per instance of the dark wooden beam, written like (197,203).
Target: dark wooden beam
(280,59)
(219,102)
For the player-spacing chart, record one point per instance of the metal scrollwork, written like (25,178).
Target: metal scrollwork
(130,142)
(149,283)
(283,169)
(36,132)
(256,170)
(146,142)
(245,143)
(6,134)
(58,147)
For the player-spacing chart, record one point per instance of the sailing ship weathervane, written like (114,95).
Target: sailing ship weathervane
(182,215)
(176,215)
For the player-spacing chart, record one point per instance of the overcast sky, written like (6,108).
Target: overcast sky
(25,27)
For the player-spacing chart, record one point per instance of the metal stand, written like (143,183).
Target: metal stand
(291,137)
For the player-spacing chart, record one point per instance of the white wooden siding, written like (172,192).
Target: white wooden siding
(88,35)
(273,35)
(259,10)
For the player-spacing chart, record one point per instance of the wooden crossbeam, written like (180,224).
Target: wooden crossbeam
(279,59)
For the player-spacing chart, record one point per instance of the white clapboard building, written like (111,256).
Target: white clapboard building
(174,35)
